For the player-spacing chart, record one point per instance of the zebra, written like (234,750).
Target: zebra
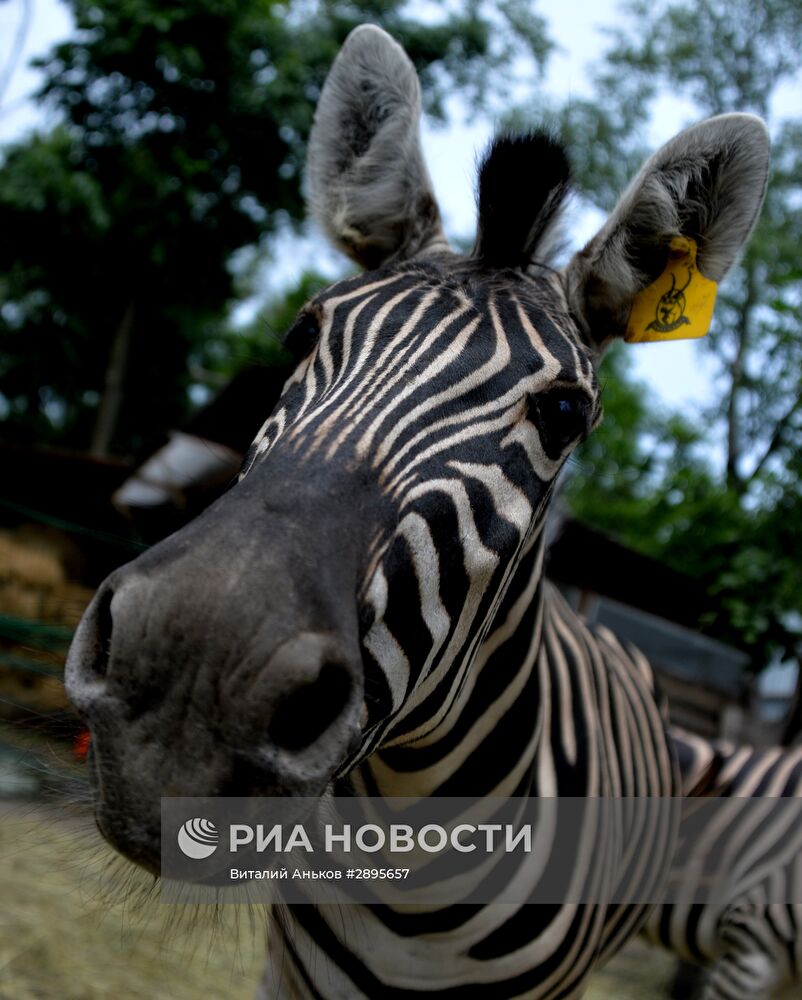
(749,936)
(365,610)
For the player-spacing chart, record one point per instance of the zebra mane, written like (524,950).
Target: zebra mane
(522,186)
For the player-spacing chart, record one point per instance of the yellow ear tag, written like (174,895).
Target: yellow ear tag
(679,305)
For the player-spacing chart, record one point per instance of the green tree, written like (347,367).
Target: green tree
(717,493)
(182,139)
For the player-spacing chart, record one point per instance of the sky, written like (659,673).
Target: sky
(679,372)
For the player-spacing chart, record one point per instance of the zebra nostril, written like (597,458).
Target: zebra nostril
(97,662)
(88,659)
(304,715)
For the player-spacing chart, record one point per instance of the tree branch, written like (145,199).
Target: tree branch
(114,386)
(20,37)
(735,481)
(776,439)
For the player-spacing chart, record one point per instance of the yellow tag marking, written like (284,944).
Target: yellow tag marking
(679,305)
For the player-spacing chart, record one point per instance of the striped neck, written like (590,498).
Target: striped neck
(489,736)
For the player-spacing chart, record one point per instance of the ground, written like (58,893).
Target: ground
(78,923)
(66,936)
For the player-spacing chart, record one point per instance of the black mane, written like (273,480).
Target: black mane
(522,186)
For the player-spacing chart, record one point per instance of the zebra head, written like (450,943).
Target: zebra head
(334,600)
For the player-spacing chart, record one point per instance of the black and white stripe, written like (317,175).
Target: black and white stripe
(750,937)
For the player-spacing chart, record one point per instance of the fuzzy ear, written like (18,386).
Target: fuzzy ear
(523,183)
(369,187)
(707,184)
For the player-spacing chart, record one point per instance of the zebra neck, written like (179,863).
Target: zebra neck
(491,717)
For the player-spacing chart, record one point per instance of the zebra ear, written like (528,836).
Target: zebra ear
(368,184)
(707,184)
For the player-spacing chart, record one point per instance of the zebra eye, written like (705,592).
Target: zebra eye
(562,416)
(302,336)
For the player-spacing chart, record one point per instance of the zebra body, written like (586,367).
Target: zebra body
(365,610)
(750,935)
